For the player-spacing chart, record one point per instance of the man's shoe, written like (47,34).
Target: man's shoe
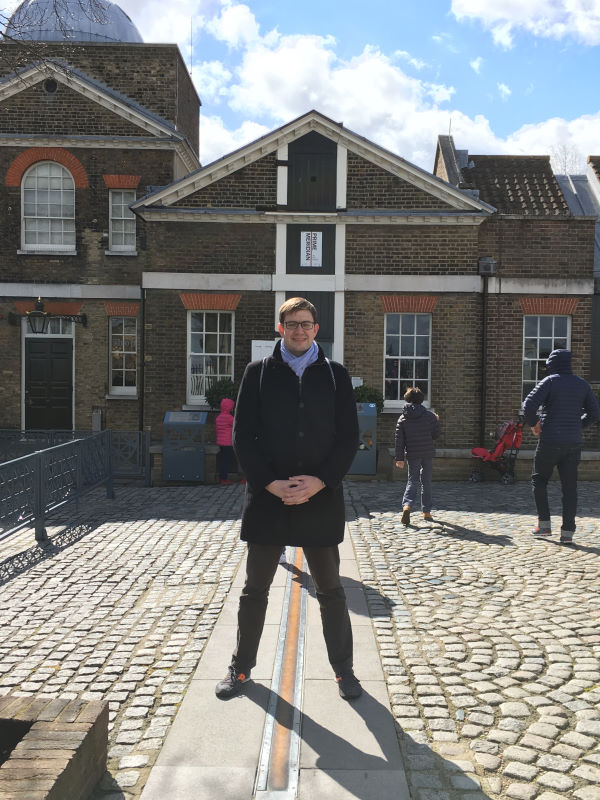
(349,685)
(566,537)
(232,683)
(405,519)
(427,516)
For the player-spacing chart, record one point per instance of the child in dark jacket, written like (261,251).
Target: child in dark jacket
(224,427)
(416,429)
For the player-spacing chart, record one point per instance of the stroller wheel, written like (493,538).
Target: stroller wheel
(475,477)
(507,479)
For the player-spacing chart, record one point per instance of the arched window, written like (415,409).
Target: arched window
(48,203)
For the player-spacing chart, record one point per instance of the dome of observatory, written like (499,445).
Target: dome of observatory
(72,21)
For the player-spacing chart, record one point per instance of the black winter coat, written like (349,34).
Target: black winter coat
(416,429)
(288,426)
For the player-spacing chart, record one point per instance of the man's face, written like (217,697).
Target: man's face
(298,341)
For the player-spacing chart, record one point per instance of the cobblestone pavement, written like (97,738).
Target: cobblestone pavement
(489,639)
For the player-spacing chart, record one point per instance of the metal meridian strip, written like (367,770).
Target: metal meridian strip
(279,763)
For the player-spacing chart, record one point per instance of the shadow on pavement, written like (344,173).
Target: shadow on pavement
(334,754)
(472,534)
(22,562)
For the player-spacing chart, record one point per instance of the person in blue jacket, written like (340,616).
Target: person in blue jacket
(416,429)
(556,411)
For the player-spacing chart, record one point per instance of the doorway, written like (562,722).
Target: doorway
(48,383)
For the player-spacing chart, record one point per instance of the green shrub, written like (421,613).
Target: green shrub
(368,394)
(219,390)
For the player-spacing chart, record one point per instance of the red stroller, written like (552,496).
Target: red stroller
(504,454)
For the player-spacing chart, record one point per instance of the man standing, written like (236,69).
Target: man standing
(562,397)
(295,435)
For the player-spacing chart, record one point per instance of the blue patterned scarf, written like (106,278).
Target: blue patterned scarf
(300,363)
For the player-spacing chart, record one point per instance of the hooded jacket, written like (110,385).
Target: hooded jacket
(416,429)
(285,426)
(567,402)
(224,423)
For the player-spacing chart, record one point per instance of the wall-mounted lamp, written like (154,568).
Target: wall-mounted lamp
(39,319)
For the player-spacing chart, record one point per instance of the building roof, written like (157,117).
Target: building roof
(523,185)
(582,193)
(594,162)
(73,21)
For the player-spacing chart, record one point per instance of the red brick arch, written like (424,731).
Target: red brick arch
(24,160)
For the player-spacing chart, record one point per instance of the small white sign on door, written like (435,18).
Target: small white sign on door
(311,249)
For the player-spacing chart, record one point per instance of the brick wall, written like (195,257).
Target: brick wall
(66,112)
(402,250)
(248,187)
(153,75)
(10,382)
(211,247)
(535,248)
(371,186)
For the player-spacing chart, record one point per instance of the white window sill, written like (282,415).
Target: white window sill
(196,407)
(120,252)
(42,252)
(120,396)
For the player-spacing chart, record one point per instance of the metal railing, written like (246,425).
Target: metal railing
(130,450)
(36,484)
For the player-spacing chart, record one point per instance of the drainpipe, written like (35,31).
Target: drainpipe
(141,360)
(486,267)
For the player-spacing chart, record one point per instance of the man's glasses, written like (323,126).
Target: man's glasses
(292,325)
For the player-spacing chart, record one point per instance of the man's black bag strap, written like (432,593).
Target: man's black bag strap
(264,361)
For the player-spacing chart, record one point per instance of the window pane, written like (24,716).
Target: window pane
(391,390)
(408,346)
(545,348)
(130,378)
(391,368)
(225,321)
(530,350)
(421,368)
(560,326)
(129,343)
(529,371)
(197,343)
(392,346)
(424,387)
(408,323)
(130,324)
(197,321)
(546,326)
(423,321)
(225,343)
(210,342)
(225,366)
(422,345)
(117,361)
(406,368)
(117,379)
(211,322)
(392,323)
(560,344)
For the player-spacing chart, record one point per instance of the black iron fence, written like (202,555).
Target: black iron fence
(130,450)
(34,485)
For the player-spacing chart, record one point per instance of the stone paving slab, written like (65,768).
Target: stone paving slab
(489,640)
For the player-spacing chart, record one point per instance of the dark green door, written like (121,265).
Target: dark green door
(49,383)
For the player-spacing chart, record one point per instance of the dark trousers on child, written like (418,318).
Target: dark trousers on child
(225,453)
(324,566)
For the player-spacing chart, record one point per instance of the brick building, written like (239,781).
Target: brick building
(458,281)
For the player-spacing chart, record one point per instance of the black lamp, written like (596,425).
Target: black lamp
(39,319)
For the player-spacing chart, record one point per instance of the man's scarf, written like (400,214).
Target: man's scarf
(300,363)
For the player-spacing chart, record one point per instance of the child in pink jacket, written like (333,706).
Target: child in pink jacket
(224,427)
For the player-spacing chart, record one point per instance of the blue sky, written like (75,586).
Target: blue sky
(509,76)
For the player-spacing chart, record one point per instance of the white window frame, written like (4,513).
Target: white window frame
(121,390)
(196,384)
(400,401)
(539,361)
(127,215)
(47,247)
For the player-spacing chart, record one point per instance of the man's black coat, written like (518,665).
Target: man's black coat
(287,426)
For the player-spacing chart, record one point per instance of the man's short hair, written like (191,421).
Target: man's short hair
(414,395)
(296,304)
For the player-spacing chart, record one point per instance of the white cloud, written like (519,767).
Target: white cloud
(211,79)
(476,63)
(159,23)
(557,19)
(235,25)
(504,91)
(417,63)
(216,140)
